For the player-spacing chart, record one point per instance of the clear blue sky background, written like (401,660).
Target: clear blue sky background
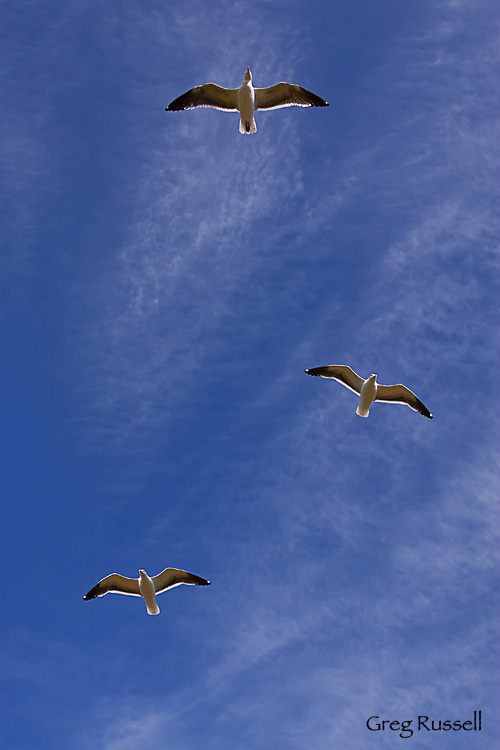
(166,281)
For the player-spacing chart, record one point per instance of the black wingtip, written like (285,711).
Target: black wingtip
(199,581)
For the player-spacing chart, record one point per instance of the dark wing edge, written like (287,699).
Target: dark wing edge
(275,97)
(422,409)
(419,407)
(208,95)
(95,592)
(320,372)
(114,583)
(402,395)
(174,577)
(341,373)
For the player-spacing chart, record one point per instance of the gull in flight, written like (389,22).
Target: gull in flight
(145,586)
(246,100)
(369,390)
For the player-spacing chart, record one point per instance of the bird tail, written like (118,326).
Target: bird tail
(362,412)
(155,611)
(248,126)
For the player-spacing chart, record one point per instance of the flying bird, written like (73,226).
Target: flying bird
(369,390)
(145,586)
(246,100)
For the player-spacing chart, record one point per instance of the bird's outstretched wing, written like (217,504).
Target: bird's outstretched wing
(286,95)
(342,373)
(400,394)
(171,577)
(114,584)
(208,95)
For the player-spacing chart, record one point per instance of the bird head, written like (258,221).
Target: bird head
(142,573)
(248,75)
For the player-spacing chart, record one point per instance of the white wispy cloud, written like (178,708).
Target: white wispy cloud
(166,297)
(384,644)
(392,641)
(331,600)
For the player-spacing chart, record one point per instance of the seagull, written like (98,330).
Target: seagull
(246,100)
(369,390)
(145,586)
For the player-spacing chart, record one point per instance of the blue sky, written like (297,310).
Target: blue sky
(165,283)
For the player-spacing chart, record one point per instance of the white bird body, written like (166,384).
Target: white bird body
(246,103)
(148,593)
(367,396)
(144,586)
(369,390)
(246,100)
